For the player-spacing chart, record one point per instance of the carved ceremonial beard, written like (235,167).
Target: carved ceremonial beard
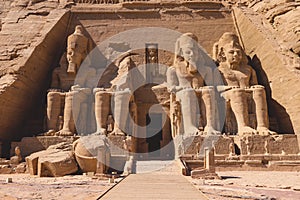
(234,65)
(186,68)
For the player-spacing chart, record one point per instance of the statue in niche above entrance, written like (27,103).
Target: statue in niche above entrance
(189,75)
(241,83)
(152,59)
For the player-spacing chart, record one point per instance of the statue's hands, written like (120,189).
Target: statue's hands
(55,90)
(75,87)
(174,89)
(80,89)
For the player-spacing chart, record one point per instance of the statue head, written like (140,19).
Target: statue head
(78,30)
(229,50)
(124,62)
(74,51)
(125,65)
(17,151)
(152,49)
(187,49)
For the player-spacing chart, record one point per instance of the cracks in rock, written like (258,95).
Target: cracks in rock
(37,13)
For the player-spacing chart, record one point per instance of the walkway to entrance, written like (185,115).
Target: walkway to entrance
(165,184)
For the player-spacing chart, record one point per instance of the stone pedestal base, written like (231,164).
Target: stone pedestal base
(116,145)
(276,144)
(199,142)
(286,144)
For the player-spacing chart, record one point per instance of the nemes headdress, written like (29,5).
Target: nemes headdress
(184,39)
(226,39)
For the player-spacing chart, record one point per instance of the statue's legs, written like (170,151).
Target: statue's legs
(102,105)
(69,125)
(189,106)
(121,111)
(208,97)
(261,110)
(238,102)
(53,110)
(71,112)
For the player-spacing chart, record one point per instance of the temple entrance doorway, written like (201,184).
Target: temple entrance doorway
(154,134)
(153,138)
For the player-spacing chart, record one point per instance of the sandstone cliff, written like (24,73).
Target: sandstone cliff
(33,38)
(29,39)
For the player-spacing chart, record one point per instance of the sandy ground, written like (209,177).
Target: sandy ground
(234,185)
(260,185)
(75,187)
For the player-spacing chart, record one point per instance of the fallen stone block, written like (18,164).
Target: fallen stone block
(57,164)
(57,160)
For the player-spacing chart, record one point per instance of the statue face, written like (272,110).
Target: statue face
(189,53)
(78,29)
(152,52)
(233,54)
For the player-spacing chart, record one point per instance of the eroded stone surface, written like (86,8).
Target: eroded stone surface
(57,160)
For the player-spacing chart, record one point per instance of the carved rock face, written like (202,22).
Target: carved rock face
(190,53)
(233,54)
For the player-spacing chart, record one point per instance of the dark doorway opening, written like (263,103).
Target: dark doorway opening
(154,134)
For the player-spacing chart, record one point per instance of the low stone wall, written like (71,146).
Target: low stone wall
(278,144)
(29,145)
(221,144)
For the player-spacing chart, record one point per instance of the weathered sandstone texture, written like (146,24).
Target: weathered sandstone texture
(57,160)
(30,40)
(279,77)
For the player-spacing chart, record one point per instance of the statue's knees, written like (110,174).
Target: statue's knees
(257,87)
(207,88)
(237,92)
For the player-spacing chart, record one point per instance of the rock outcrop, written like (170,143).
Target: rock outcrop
(29,39)
(57,160)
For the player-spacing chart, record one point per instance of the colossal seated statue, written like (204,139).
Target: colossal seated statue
(120,91)
(241,83)
(189,75)
(60,98)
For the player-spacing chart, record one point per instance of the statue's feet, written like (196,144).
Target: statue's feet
(50,133)
(100,131)
(64,133)
(265,131)
(209,130)
(193,131)
(117,132)
(246,131)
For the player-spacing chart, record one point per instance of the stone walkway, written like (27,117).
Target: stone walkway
(164,184)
